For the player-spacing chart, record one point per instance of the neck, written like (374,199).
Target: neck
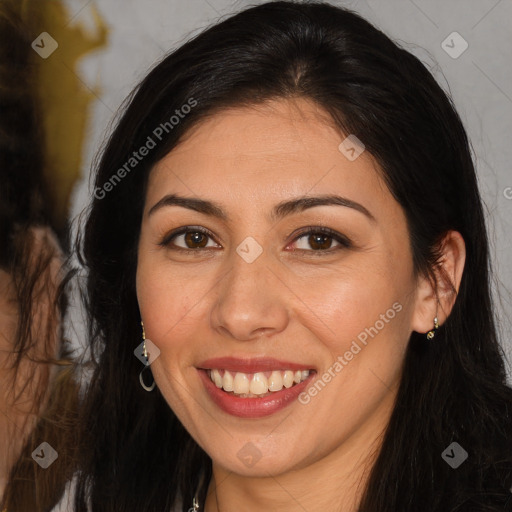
(334,483)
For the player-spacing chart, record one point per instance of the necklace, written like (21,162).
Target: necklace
(195,501)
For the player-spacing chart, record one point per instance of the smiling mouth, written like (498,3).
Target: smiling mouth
(256,385)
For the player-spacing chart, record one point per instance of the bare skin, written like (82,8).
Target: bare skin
(295,302)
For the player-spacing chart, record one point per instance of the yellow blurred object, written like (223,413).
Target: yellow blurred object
(64,98)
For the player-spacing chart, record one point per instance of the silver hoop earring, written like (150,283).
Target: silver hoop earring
(143,384)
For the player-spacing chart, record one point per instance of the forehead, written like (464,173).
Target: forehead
(264,154)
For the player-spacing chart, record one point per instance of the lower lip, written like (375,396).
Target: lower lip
(253,407)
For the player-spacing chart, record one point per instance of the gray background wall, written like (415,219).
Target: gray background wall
(480,81)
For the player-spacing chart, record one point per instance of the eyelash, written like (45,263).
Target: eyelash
(309,230)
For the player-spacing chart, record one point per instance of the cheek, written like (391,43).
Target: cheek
(169,303)
(360,318)
(341,306)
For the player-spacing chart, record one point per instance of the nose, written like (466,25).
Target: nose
(250,301)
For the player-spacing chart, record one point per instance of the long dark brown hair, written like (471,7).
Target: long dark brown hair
(136,455)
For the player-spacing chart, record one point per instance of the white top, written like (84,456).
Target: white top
(66,503)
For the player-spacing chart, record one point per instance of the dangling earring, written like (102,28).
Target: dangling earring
(145,353)
(432,333)
(144,340)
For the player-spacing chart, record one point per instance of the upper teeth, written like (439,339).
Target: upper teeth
(256,383)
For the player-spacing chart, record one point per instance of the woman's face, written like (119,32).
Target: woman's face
(269,300)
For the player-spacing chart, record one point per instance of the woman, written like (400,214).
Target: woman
(289,206)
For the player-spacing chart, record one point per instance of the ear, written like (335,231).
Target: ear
(438,294)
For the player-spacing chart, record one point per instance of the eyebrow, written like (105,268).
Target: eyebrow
(280,211)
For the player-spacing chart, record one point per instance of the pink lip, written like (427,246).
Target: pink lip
(252,407)
(254,365)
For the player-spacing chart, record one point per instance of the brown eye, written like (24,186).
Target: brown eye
(189,238)
(321,240)
(195,238)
